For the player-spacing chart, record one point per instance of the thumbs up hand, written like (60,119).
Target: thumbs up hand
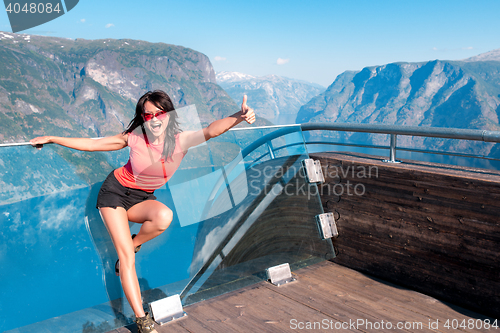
(247,112)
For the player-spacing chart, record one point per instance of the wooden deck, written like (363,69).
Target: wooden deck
(325,297)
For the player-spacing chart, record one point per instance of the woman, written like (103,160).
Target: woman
(157,146)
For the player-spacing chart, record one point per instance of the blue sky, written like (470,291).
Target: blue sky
(309,40)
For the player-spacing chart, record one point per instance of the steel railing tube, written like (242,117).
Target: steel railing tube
(392,157)
(435,132)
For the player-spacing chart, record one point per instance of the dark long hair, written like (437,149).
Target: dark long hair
(162,101)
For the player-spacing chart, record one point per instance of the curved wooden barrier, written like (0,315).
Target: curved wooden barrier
(433,228)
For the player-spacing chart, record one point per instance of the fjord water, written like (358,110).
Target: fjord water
(49,246)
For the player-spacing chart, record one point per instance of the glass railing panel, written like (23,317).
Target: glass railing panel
(234,248)
(50,266)
(239,208)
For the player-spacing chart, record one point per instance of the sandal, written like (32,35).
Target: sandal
(145,324)
(138,247)
(117,264)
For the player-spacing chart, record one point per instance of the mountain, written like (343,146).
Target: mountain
(91,86)
(226,78)
(455,94)
(278,99)
(488,56)
(88,88)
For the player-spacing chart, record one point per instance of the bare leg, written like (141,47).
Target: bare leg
(155,218)
(116,222)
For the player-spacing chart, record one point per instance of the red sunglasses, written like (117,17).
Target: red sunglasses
(160,115)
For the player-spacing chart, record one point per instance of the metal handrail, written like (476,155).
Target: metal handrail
(395,130)
(392,130)
(436,132)
(15,144)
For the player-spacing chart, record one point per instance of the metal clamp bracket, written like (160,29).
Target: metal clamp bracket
(167,309)
(326,225)
(313,171)
(280,274)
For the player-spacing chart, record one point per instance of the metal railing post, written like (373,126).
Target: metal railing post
(270,149)
(392,152)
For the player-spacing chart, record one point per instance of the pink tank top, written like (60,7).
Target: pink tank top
(141,172)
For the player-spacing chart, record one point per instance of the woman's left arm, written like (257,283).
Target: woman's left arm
(190,139)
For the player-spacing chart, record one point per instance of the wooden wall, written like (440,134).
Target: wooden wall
(432,228)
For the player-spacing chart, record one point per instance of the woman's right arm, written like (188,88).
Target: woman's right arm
(85,144)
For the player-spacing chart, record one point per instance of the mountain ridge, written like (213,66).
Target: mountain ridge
(277,98)
(111,73)
(493,55)
(438,93)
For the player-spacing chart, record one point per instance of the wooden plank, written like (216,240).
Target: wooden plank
(339,305)
(412,305)
(358,298)
(189,324)
(282,316)
(253,309)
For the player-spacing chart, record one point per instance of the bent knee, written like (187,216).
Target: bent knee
(164,218)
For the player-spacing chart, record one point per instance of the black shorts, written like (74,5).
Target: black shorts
(113,194)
